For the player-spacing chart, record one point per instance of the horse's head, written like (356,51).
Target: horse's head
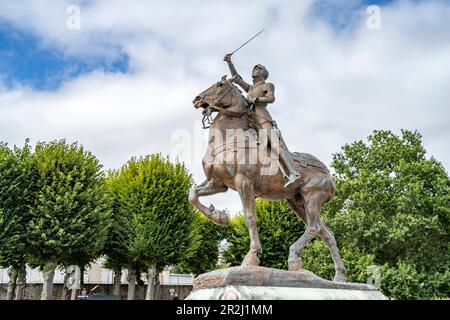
(220,94)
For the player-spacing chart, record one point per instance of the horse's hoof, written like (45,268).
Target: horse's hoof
(340,278)
(295,266)
(219,217)
(295,263)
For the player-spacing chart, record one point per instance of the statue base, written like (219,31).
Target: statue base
(282,293)
(259,283)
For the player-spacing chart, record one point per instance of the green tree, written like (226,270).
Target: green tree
(71,215)
(153,198)
(120,232)
(394,204)
(203,251)
(17,195)
(278,228)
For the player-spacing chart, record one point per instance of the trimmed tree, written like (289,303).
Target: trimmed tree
(115,249)
(17,195)
(203,252)
(71,215)
(154,198)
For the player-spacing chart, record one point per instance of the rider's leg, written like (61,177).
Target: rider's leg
(279,146)
(288,161)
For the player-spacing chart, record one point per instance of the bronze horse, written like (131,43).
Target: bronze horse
(305,198)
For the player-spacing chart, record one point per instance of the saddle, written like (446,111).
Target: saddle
(306,159)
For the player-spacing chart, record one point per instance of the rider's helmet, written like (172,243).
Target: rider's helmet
(261,70)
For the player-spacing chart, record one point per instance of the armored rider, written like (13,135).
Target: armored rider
(259,94)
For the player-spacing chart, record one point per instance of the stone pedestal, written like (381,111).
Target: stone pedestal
(259,283)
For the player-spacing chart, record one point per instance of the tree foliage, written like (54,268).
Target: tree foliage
(115,248)
(155,218)
(394,203)
(278,229)
(71,216)
(18,180)
(203,251)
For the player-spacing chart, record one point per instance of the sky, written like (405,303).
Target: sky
(121,78)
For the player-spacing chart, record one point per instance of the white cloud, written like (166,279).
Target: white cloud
(332,88)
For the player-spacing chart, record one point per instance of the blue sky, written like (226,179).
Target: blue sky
(26,60)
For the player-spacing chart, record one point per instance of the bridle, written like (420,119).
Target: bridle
(214,94)
(207,120)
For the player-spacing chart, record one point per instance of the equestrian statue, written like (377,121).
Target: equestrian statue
(247,153)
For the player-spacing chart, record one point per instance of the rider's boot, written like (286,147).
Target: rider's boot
(294,174)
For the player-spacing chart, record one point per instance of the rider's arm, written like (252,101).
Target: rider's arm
(244,85)
(270,94)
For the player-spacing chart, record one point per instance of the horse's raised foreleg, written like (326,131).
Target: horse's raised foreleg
(208,188)
(247,194)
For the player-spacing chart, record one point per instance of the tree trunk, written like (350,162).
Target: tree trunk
(47,288)
(76,291)
(82,269)
(131,282)
(80,280)
(117,281)
(11,284)
(64,288)
(21,281)
(73,295)
(151,275)
(157,287)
